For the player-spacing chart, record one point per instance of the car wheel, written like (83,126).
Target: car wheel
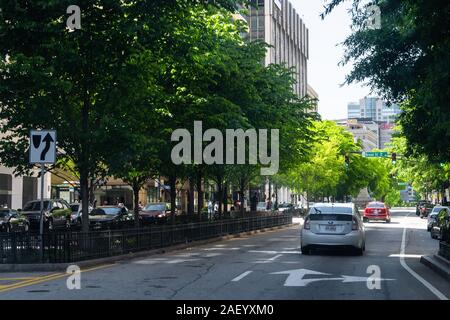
(365,220)
(388,220)
(306,251)
(359,251)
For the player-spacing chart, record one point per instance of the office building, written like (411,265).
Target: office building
(374,109)
(277,23)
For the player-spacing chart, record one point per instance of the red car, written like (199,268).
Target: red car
(377,211)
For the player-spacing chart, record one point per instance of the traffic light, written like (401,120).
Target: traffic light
(347,161)
(394,157)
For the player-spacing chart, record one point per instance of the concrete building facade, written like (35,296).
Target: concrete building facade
(373,108)
(277,23)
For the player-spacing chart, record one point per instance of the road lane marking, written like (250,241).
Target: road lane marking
(17,278)
(296,278)
(418,256)
(274,258)
(269,260)
(273,252)
(47,278)
(241,276)
(430,287)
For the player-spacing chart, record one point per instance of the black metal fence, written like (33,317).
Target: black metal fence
(63,246)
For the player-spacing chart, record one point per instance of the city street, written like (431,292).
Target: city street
(263,266)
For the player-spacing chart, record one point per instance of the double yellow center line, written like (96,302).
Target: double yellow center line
(29,281)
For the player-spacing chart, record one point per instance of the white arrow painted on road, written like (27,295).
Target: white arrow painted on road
(295,278)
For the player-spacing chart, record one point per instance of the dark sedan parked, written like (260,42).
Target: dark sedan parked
(156,212)
(11,220)
(440,224)
(56,213)
(110,217)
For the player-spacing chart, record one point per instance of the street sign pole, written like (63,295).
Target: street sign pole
(42,151)
(41,222)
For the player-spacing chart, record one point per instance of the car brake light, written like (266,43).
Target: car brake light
(307,225)
(355,225)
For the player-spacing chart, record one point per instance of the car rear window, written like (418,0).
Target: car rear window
(334,217)
(322,210)
(375,205)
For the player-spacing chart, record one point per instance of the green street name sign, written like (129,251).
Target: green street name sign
(375,154)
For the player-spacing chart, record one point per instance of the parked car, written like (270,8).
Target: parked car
(424,208)
(433,215)
(285,207)
(110,217)
(377,211)
(261,206)
(440,224)
(154,212)
(335,225)
(56,213)
(75,216)
(11,220)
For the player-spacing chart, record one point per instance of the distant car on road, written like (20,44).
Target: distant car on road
(440,223)
(11,220)
(110,217)
(56,213)
(377,211)
(154,212)
(336,225)
(424,208)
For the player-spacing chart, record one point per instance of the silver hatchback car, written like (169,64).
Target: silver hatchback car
(337,225)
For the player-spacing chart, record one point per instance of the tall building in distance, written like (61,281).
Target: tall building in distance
(312,94)
(278,24)
(373,108)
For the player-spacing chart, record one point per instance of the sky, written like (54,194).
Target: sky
(324,74)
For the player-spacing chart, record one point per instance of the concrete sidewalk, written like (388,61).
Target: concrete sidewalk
(438,264)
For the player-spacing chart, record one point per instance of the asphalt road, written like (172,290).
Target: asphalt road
(263,266)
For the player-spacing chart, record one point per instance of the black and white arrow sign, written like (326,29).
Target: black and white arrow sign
(42,146)
(296,278)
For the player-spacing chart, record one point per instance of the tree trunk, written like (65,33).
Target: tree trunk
(225,199)
(191,197)
(200,194)
(173,195)
(220,195)
(84,186)
(136,189)
(241,197)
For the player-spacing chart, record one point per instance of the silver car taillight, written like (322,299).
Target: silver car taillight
(355,225)
(307,224)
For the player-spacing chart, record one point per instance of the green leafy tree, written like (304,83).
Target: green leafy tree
(406,61)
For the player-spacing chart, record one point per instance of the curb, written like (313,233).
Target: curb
(48,267)
(438,264)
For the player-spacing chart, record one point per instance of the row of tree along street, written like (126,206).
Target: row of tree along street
(116,89)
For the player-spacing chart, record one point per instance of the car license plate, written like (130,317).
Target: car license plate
(376,211)
(330,228)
